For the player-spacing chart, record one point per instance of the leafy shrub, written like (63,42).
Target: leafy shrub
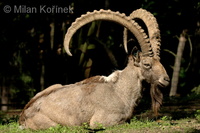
(196,90)
(197,115)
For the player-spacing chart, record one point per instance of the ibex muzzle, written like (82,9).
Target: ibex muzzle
(100,99)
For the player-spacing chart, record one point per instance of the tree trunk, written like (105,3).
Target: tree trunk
(196,58)
(4,95)
(52,33)
(177,64)
(42,77)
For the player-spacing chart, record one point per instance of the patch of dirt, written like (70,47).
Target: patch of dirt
(181,113)
(183,105)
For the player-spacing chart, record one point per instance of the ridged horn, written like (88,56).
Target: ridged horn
(152,27)
(109,15)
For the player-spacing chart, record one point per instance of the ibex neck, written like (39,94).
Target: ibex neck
(128,86)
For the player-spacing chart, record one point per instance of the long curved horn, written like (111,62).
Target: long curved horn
(109,15)
(152,26)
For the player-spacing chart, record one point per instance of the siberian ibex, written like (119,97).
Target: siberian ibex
(99,99)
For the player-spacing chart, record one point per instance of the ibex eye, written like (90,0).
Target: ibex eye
(147,65)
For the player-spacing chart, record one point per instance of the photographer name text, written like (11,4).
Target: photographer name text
(39,9)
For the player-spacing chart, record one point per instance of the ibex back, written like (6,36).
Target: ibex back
(100,99)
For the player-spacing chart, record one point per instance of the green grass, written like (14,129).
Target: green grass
(164,124)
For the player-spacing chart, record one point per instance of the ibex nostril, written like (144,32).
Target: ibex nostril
(167,78)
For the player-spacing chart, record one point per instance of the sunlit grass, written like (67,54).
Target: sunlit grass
(164,124)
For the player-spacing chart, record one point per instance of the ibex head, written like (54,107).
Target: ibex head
(148,60)
(152,70)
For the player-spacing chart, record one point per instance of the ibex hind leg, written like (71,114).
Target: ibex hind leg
(105,120)
(39,121)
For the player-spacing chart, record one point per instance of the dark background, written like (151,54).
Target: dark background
(29,62)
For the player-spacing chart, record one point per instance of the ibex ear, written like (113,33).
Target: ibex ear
(131,58)
(137,59)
